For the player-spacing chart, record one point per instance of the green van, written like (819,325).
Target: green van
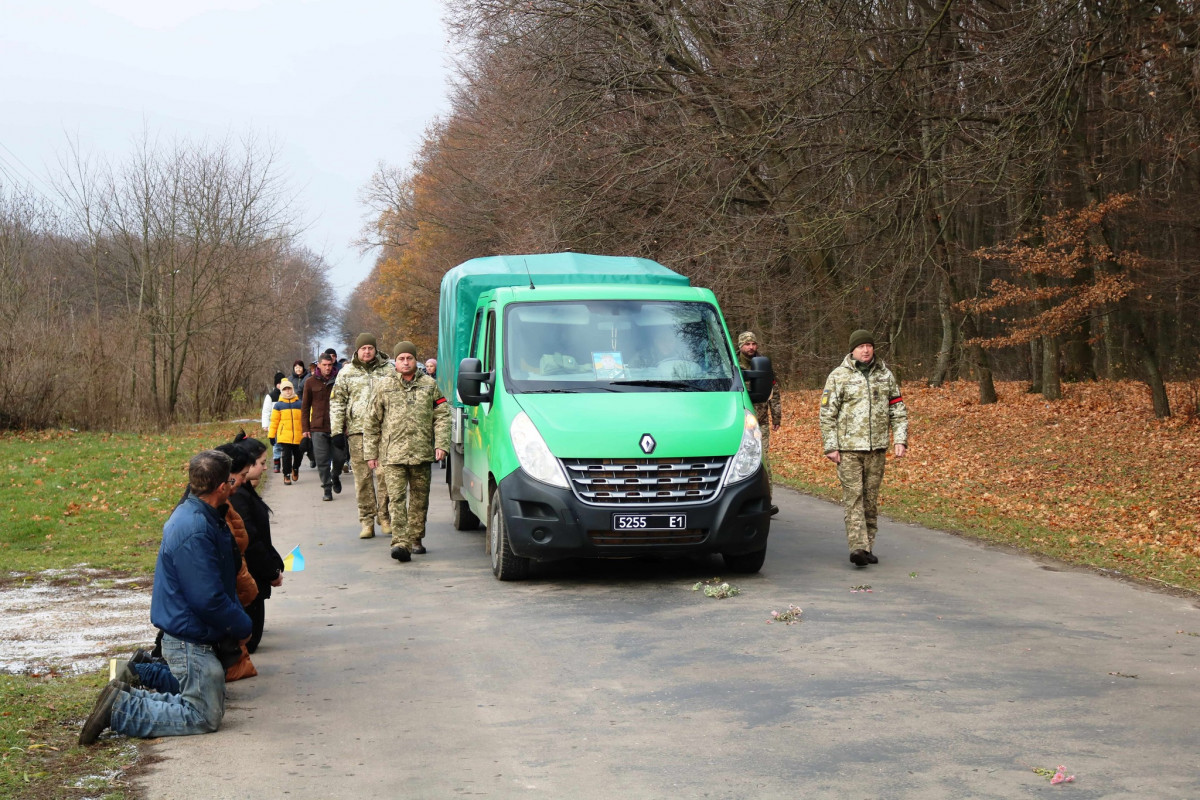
(599,411)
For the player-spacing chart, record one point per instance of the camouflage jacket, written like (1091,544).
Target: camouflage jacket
(352,393)
(771,405)
(858,412)
(406,421)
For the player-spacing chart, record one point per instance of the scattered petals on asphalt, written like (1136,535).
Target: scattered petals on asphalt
(1061,776)
(862,587)
(1055,776)
(717,588)
(789,617)
(1122,675)
(912,574)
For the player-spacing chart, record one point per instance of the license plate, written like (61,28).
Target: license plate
(649,522)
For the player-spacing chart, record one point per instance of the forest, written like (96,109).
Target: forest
(160,288)
(999,189)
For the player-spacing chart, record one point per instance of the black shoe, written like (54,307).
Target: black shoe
(328,494)
(874,559)
(337,483)
(141,656)
(419,550)
(101,714)
(860,558)
(774,510)
(401,553)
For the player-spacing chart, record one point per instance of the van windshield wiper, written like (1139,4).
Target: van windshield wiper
(580,390)
(681,386)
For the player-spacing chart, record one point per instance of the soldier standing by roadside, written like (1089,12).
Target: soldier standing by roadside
(407,427)
(748,349)
(314,421)
(860,407)
(348,403)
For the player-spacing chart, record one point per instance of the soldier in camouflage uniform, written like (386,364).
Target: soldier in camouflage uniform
(860,407)
(748,349)
(348,403)
(407,427)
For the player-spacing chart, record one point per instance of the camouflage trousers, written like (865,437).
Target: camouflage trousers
(861,474)
(408,494)
(372,500)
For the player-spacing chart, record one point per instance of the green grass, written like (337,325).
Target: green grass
(101,499)
(39,730)
(68,499)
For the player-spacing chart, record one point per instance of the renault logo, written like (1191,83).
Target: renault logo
(647,443)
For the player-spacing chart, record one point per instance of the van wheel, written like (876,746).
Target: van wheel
(464,517)
(746,563)
(506,565)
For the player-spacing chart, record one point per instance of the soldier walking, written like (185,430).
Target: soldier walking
(407,427)
(348,403)
(772,406)
(860,407)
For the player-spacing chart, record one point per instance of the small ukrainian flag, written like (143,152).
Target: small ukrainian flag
(294,561)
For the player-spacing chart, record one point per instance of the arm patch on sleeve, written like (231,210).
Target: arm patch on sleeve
(439,401)
(825,397)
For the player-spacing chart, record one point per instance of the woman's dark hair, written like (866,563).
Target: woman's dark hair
(237,454)
(253,447)
(298,363)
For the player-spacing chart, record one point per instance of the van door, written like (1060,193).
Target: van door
(478,428)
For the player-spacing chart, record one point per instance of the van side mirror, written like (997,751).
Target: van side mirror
(472,382)
(759,379)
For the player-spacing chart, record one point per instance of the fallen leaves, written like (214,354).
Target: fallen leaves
(1094,470)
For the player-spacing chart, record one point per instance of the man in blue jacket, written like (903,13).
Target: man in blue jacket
(195,604)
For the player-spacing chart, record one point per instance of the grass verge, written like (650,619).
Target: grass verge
(69,499)
(40,719)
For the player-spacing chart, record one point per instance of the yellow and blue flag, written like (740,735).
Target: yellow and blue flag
(293,561)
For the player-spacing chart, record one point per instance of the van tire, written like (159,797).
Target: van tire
(506,565)
(464,517)
(745,563)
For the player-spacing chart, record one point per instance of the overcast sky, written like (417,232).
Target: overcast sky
(337,85)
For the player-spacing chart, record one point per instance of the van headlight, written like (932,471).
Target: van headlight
(532,453)
(749,455)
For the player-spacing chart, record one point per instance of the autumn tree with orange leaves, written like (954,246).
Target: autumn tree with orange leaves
(1065,275)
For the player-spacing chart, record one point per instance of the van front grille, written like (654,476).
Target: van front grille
(645,481)
(636,537)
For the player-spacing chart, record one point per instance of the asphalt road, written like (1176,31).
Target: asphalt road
(962,669)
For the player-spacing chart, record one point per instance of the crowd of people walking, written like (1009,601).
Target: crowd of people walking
(217,565)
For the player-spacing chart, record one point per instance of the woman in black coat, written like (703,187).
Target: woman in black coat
(262,559)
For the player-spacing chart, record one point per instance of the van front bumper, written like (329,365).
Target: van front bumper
(546,523)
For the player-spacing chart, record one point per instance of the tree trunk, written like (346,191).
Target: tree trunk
(943,357)
(1051,385)
(1035,366)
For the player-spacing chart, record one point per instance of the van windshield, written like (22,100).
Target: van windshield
(616,346)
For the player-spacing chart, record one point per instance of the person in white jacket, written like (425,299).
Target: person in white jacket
(269,401)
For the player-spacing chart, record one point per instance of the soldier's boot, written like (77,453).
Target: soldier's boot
(418,549)
(368,531)
(860,558)
(385,527)
(400,553)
